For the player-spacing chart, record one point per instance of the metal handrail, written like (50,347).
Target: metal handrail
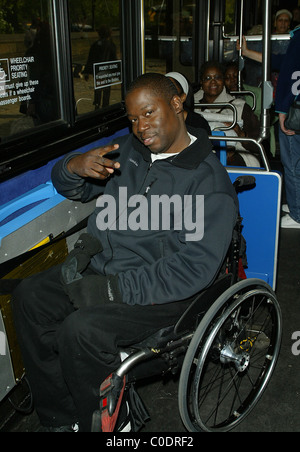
(254,38)
(218,105)
(246,140)
(245,93)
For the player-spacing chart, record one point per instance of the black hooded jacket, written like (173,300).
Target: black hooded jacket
(165,227)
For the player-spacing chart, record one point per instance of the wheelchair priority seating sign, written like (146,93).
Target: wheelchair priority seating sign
(2,344)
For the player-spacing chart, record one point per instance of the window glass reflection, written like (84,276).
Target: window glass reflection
(170,30)
(28,79)
(96,54)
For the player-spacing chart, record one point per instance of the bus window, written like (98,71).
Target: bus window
(230,26)
(169,31)
(252,29)
(28,74)
(96,54)
(230,29)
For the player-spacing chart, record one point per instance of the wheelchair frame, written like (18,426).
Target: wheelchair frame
(226,343)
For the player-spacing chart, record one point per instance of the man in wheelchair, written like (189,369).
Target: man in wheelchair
(138,267)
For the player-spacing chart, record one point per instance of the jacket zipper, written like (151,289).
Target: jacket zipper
(148,188)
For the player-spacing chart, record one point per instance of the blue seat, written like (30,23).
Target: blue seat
(220,147)
(260,209)
(31,210)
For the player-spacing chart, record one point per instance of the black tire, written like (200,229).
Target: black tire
(231,358)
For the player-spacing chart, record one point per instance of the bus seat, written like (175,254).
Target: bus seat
(35,217)
(220,147)
(19,185)
(31,211)
(260,209)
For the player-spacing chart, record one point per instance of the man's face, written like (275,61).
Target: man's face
(155,122)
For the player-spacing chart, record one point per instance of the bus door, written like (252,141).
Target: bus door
(176,36)
(258,22)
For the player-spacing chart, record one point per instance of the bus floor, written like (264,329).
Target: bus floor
(279,408)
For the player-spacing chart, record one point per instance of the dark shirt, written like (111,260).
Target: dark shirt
(197,121)
(287,86)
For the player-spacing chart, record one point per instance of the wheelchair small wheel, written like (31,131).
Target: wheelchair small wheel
(231,358)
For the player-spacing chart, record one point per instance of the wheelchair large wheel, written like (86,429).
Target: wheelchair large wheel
(231,358)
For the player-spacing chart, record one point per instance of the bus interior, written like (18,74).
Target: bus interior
(56,98)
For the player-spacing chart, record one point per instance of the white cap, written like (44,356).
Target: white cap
(180,79)
(284,11)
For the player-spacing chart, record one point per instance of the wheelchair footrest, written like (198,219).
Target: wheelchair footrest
(111,394)
(111,397)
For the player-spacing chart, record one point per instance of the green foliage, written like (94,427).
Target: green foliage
(16,15)
(6,12)
(230,16)
(95,12)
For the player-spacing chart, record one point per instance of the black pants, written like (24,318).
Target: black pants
(68,353)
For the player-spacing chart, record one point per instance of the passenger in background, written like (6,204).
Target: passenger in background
(232,76)
(103,50)
(231,83)
(213,90)
(43,105)
(296,18)
(283,20)
(186,94)
(289,141)
(278,48)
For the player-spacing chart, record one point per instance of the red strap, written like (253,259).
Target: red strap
(108,422)
(242,274)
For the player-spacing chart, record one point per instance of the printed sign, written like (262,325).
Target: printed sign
(15,83)
(107,74)
(4,76)
(4,71)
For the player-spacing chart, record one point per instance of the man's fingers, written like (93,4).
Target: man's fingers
(108,163)
(98,172)
(106,149)
(94,164)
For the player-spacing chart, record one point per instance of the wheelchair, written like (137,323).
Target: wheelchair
(225,346)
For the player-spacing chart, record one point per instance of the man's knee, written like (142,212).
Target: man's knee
(42,299)
(71,331)
(20,294)
(23,287)
(80,334)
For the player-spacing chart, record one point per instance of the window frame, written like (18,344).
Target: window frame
(37,146)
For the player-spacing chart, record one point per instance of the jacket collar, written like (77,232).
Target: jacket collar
(292,33)
(189,158)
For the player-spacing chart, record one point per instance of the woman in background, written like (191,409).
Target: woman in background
(187,97)
(213,90)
